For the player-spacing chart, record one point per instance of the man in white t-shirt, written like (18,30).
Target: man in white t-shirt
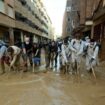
(76,47)
(92,55)
(14,53)
(77,50)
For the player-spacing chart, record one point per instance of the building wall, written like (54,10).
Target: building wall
(72,16)
(66,26)
(5,19)
(99,27)
(34,13)
(81,11)
(25,17)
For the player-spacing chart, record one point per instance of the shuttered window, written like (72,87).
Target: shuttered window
(2,9)
(10,12)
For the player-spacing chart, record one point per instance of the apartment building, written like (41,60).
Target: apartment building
(24,17)
(71,17)
(66,27)
(88,18)
(78,13)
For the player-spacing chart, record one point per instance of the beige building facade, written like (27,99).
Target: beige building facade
(24,17)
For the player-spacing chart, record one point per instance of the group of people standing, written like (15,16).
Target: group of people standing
(87,49)
(68,51)
(74,50)
(19,55)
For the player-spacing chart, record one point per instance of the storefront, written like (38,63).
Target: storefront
(4,34)
(99,28)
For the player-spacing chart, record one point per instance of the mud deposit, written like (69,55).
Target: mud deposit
(51,89)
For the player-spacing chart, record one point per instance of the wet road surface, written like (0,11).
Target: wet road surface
(51,88)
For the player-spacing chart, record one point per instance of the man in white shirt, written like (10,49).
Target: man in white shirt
(76,47)
(14,53)
(63,53)
(92,55)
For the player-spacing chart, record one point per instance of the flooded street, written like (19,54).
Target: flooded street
(52,52)
(51,88)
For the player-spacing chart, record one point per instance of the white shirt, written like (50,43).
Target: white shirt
(77,46)
(16,49)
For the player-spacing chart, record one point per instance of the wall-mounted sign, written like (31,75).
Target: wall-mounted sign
(89,22)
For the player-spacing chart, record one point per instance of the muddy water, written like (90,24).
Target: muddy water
(51,89)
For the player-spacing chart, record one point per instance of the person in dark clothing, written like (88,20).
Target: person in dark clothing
(18,43)
(58,51)
(56,54)
(53,51)
(36,52)
(27,51)
(47,53)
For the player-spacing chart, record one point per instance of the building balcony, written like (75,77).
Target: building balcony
(37,22)
(22,26)
(25,27)
(43,27)
(38,33)
(6,20)
(26,13)
(18,4)
(21,9)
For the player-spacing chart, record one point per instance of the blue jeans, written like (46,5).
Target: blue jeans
(36,60)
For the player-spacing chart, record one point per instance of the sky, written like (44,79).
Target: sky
(55,10)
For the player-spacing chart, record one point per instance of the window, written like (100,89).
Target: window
(2,9)
(10,12)
(68,9)
(68,19)
(68,29)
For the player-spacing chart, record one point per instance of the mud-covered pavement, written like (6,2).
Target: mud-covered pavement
(51,89)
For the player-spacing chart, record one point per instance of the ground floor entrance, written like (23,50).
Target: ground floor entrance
(99,35)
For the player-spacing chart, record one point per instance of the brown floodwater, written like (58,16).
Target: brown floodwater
(52,88)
